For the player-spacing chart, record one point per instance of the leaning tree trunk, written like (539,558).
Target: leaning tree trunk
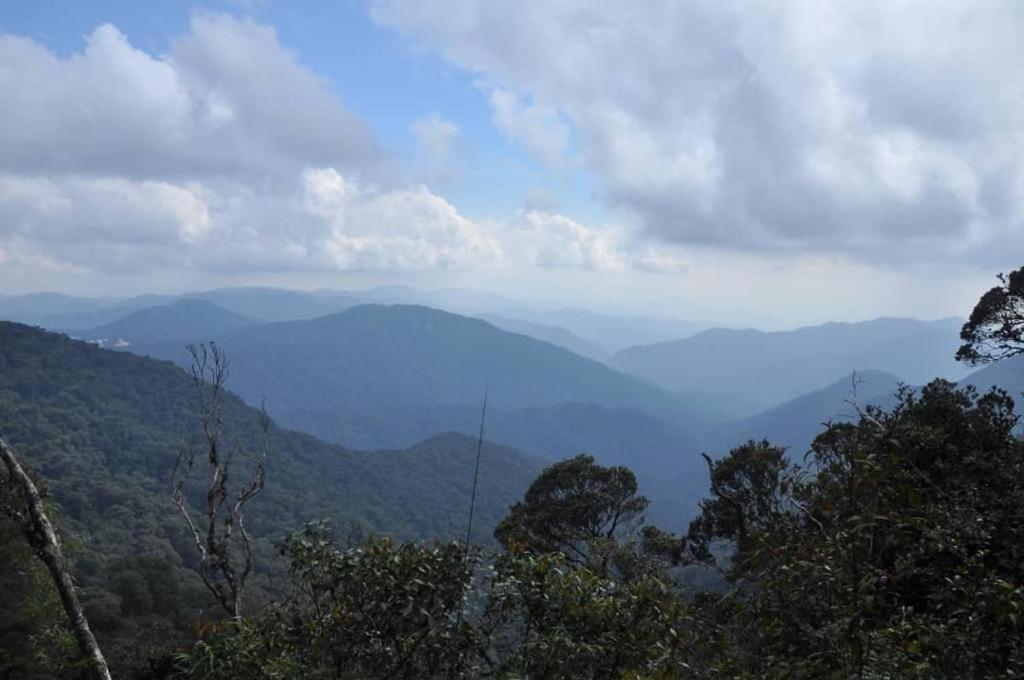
(40,532)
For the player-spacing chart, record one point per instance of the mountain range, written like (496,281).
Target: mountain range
(389,376)
(764,369)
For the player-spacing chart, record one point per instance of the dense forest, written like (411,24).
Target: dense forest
(892,547)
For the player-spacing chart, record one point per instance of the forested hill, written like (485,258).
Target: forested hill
(90,416)
(382,356)
(184,319)
(389,375)
(102,429)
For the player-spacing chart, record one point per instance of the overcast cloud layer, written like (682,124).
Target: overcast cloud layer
(882,130)
(227,155)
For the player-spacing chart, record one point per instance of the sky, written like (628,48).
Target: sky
(754,163)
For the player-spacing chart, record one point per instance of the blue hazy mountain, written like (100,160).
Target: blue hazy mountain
(556,335)
(797,422)
(375,356)
(184,320)
(764,369)
(608,331)
(385,376)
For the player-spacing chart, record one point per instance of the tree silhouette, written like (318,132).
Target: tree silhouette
(996,328)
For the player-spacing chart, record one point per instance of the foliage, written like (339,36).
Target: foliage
(383,610)
(34,638)
(547,618)
(995,329)
(103,428)
(379,610)
(570,505)
(897,552)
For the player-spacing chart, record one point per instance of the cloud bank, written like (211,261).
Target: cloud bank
(228,155)
(878,130)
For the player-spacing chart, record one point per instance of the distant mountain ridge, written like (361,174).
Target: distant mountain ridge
(388,375)
(797,422)
(556,335)
(183,320)
(585,332)
(395,355)
(772,367)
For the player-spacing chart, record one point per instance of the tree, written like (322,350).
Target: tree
(547,618)
(225,556)
(898,552)
(21,501)
(995,329)
(377,610)
(572,504)
(750,490)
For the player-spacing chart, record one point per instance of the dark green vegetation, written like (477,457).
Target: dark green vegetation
(102,429)
(895,551)
(762,370)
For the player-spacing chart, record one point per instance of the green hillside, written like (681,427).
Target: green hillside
(102,429)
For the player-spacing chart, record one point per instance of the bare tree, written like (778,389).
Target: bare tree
(225,547)
(21,501)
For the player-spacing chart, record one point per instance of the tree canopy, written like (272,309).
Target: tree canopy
(995,329)
(571,504)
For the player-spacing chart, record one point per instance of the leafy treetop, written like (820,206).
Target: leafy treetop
(996,328)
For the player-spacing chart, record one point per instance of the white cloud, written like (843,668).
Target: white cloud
(436,145)
(550,240)
(108,209)
(227,155)
(407,229)
(555,241)
(539,128)
(877,129)
(228,100)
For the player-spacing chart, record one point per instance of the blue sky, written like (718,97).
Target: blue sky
(748,163)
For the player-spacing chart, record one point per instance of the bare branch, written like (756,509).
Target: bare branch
(215,536)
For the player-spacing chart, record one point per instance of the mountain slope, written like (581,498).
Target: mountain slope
(386,376)
(374,357)
(607,330)
(182,320)
(797,422)
(770,368)
(664,456)
(76,407)
(102,429)
(554,335)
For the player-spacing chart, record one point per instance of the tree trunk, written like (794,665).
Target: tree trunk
(40,532)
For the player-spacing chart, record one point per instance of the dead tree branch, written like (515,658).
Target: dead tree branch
(223,570)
